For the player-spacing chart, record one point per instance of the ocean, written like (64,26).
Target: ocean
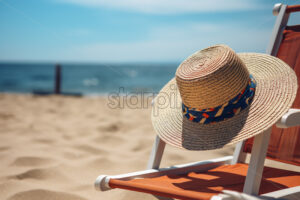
(86,79)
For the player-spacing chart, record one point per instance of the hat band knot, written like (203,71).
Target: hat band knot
(225,111)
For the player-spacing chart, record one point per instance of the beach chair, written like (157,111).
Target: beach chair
(231,177)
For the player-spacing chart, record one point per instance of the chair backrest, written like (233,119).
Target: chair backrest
(284,145)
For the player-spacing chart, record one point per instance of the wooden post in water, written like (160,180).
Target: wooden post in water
(57,79)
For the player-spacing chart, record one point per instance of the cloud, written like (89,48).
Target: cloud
(170,6)
(174,44)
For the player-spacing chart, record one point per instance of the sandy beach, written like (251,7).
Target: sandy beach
(54,147)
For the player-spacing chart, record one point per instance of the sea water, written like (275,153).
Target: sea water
(86,79)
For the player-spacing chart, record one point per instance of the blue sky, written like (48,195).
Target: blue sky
(130,30)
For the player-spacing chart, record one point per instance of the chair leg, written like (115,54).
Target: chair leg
(156,154)
(256,165)
(239,156)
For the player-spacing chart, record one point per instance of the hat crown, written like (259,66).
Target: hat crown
(211,77)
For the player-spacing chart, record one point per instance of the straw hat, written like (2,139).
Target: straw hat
(219,98)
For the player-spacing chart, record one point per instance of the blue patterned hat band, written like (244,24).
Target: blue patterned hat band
(225,111)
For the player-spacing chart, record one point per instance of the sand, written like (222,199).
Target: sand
(54,147)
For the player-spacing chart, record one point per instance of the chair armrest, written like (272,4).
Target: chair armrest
(290,119)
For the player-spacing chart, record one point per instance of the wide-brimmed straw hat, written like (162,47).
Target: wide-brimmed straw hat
(219,98)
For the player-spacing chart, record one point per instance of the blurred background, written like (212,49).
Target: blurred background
(104,45)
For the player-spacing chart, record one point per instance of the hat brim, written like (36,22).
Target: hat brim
(275,92)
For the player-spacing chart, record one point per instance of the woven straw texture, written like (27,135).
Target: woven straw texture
(204,82)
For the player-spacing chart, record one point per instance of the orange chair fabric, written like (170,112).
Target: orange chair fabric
(203,186)
(284,144)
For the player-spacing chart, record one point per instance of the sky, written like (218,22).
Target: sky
(131,30)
